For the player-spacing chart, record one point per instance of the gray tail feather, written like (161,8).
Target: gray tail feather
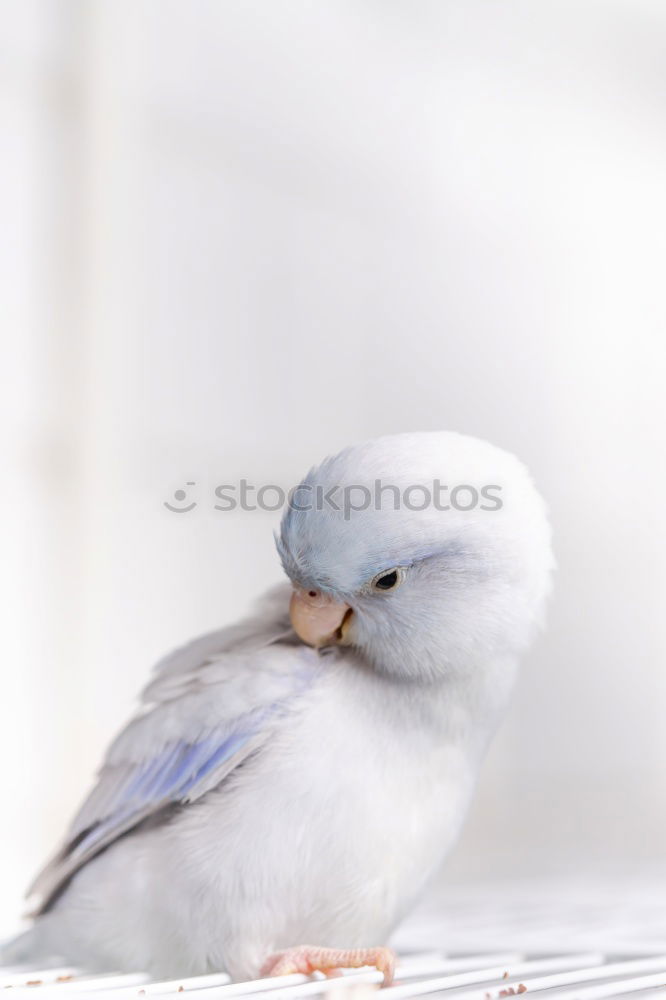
(25,948)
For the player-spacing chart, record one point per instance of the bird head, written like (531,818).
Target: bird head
(426,552)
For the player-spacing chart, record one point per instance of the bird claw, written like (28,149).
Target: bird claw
(307,959)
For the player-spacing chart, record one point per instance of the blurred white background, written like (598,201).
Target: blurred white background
(237,235)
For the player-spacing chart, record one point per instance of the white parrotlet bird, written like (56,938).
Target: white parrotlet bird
(291,782)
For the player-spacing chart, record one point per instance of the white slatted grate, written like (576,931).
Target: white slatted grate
(486,977)
(584,945)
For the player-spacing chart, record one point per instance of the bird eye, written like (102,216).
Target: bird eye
(388,579)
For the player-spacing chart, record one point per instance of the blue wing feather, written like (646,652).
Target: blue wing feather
(198,724)
(172,776)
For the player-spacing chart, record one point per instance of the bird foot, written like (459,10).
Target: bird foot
(307,959)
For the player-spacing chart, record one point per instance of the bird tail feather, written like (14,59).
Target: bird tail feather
(24,948)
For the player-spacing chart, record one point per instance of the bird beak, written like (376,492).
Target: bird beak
(316,618)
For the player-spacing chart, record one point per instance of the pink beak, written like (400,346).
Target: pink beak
(316,618)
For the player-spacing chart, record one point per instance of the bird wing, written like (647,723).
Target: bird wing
(209,706)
